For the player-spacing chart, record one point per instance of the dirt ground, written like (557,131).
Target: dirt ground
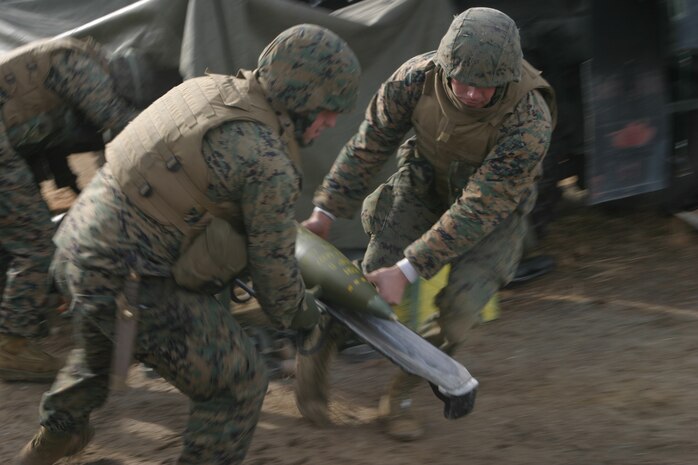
(596,363)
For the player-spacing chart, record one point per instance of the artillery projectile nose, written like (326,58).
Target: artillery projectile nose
(380,308)
(342,282)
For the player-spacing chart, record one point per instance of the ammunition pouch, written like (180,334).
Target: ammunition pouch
(414,179)
(308,313)
(376,209)
(213,258)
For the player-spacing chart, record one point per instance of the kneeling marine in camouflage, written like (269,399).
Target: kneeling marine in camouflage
(53,94)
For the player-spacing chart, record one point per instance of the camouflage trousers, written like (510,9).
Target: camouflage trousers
(25,240)
(190,339)
(402,209)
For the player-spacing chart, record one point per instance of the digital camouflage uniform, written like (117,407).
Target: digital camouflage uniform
(252,180)
(465,181)
(409,216)
(49,91)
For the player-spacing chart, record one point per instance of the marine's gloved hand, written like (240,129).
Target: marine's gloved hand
(308,313)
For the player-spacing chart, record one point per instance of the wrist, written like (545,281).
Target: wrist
(408,270)
(323,212)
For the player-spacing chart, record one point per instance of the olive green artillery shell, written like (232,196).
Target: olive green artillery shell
(341,282)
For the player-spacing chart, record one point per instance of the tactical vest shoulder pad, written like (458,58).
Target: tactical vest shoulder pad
(24,70)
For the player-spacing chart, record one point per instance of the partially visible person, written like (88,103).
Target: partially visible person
(56,95)
(202,184)
(466,181)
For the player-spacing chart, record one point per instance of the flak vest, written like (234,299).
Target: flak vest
(157,159)
(23,94)
(456,141)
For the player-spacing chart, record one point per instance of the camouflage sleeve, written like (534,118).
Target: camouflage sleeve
(83,82)
(254,171)
(15,176)
(496,189)
(388,118)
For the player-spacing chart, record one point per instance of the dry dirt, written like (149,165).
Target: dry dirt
(596,363)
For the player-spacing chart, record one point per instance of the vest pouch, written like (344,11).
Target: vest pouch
(459,173)
(376,209)
(213,259)
(414,179)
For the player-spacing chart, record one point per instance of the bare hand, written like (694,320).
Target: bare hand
(390,283)
(319,223)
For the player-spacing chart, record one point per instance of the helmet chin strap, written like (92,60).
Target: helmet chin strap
(300,124)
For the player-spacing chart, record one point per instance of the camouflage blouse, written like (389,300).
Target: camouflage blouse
(503,182)
(87,91)
(251,168)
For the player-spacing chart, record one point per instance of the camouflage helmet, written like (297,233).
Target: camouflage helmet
(481,48)
(307,69)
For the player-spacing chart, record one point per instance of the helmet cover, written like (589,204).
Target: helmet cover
(481,48)
(308,69)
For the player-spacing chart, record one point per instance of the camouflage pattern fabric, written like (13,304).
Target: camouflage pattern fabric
(249,166)
(26,230)
(480,233)
(492,193)
(189,338)
(476,36)
(307,69)
(87,94)
(400,210)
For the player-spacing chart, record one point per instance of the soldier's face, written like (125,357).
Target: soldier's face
(474,97)
(324,120)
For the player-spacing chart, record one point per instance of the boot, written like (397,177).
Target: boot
(394,409)
(46,447)
(23,360)
(312,373)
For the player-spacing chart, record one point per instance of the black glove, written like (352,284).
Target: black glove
(455,406)
(308,312)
